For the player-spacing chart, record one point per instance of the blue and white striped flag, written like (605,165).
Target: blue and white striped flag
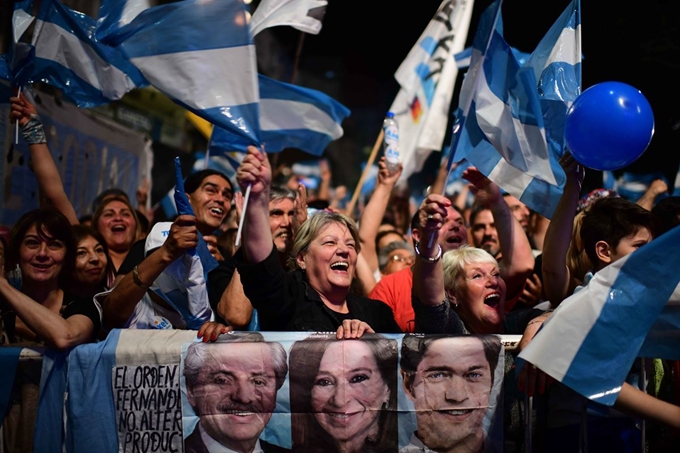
(183,284)
(66,55)
(201,55)
(15,57)
(291,116)
(629,309)
(463,58)
(114,15)
(304,15)
(513,132)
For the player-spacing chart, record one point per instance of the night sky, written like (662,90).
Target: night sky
(362,43)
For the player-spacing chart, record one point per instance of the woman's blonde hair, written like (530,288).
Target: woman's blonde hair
(454,262)
(578,262)
(311,228)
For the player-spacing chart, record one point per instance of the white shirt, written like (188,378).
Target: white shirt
(416,446)
(214,446)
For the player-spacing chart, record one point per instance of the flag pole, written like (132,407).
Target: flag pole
(16,124)
(364,174)
(298,53)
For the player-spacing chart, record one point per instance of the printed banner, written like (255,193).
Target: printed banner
(91,152)
(148,408)
(309,392)
(154,391)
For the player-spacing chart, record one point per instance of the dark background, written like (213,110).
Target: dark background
(362,43)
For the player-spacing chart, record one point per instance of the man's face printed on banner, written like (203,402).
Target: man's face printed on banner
(235,393)
(450,392)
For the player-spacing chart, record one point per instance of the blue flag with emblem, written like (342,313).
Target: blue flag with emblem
(511,125)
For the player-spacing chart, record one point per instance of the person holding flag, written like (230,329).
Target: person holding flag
(316,296)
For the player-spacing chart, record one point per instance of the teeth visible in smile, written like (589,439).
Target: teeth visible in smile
(118,228)
(239,413)
(340,265)
(492,299)
(339,416)
(217,211)
(459,412)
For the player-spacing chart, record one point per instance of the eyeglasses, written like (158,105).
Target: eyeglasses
(403,259)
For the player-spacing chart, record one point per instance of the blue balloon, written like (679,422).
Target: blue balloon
(609,126)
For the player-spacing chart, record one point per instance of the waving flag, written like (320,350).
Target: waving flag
(183,284)
(290,117)
(201,55)
(513,131)
(427,77)
(66,55)
(304,15)
(629,309)
(15,57)
(116,14)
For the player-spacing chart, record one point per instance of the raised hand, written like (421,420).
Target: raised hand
(486,192)
(255,172)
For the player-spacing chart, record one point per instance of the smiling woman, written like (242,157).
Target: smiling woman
(343,394)
(42,248)
(116,220)
(316,295)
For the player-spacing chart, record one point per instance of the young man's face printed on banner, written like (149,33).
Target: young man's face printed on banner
(450,392)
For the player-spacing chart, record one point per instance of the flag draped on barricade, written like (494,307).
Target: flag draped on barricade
(291,116)
(629,309)
(294,13)
(186,51)
(511,121)
(427,77)
(65,54)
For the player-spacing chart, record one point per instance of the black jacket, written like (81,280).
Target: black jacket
(285,302)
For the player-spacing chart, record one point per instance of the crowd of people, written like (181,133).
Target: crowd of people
(457,269)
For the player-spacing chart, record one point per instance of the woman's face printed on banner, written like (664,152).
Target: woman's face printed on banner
(349,392)
(450,392)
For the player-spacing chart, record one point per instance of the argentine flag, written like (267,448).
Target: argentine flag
(114,15)
(201,55)
(629,309)
(511,123)
(291,116)
(183,284)
(66,55)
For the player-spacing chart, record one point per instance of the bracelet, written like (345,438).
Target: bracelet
(33,131)
(428,260)
(137,280)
